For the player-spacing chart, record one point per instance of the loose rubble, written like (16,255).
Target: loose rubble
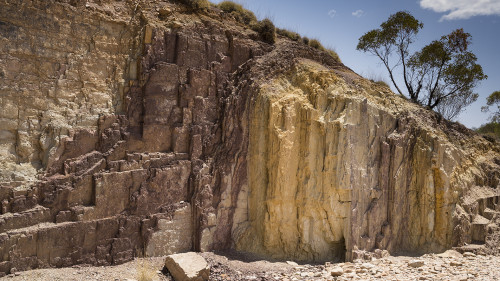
(443,266)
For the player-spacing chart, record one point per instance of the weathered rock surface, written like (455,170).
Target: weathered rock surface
(187,267)
(132,129)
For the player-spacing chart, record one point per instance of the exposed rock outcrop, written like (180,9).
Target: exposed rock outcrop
(145,129)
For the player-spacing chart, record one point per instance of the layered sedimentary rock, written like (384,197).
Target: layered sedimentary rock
(336,167)
(142,128)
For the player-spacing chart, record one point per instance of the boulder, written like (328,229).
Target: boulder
(187,267)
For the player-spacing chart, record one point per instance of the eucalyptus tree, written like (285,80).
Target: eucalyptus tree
(441,76)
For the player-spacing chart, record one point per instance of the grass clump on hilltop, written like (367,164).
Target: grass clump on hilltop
(265,28)
(196,4)
(294,36)
(317,45)
(239,13)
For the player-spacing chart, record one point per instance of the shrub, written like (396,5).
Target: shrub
(238,12)
(305,40)
(266,30)
(491,129)
(289,34)
(196,4)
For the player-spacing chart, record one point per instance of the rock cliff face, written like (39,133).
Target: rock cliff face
(339,167)
(139,128)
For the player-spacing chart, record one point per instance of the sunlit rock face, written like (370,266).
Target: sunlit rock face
(331,170)
(128,132)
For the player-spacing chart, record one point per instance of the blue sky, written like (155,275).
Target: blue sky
(338,24)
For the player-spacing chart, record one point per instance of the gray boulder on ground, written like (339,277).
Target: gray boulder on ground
(187,267)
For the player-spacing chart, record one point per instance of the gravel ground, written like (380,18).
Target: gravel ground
(450,265)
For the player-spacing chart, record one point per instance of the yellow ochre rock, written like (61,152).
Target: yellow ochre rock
(335,167)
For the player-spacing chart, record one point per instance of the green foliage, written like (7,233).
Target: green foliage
(305,40)
(266,30)
(238,12)
(398,31)
(294,36)
(196,5)
(441,76)
(491,129)
(492,100)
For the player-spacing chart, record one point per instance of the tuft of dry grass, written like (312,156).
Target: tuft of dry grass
(145,272)
(294,36)
(239,13)
(196,5)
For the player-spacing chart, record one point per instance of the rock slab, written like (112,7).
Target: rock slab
(187,267)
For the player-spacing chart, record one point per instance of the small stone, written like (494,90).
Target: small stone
(469,254)
(455,263)
(367,266)
(337,271)
(381,253)
(164,11)
(299,267)
(416,263)
(450,254)
(292,263)
(361,270)
(176,24)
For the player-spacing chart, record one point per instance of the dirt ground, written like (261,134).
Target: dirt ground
(450,265)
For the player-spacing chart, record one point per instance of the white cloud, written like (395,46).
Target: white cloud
(332,13)
(462,9)
(358,13)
